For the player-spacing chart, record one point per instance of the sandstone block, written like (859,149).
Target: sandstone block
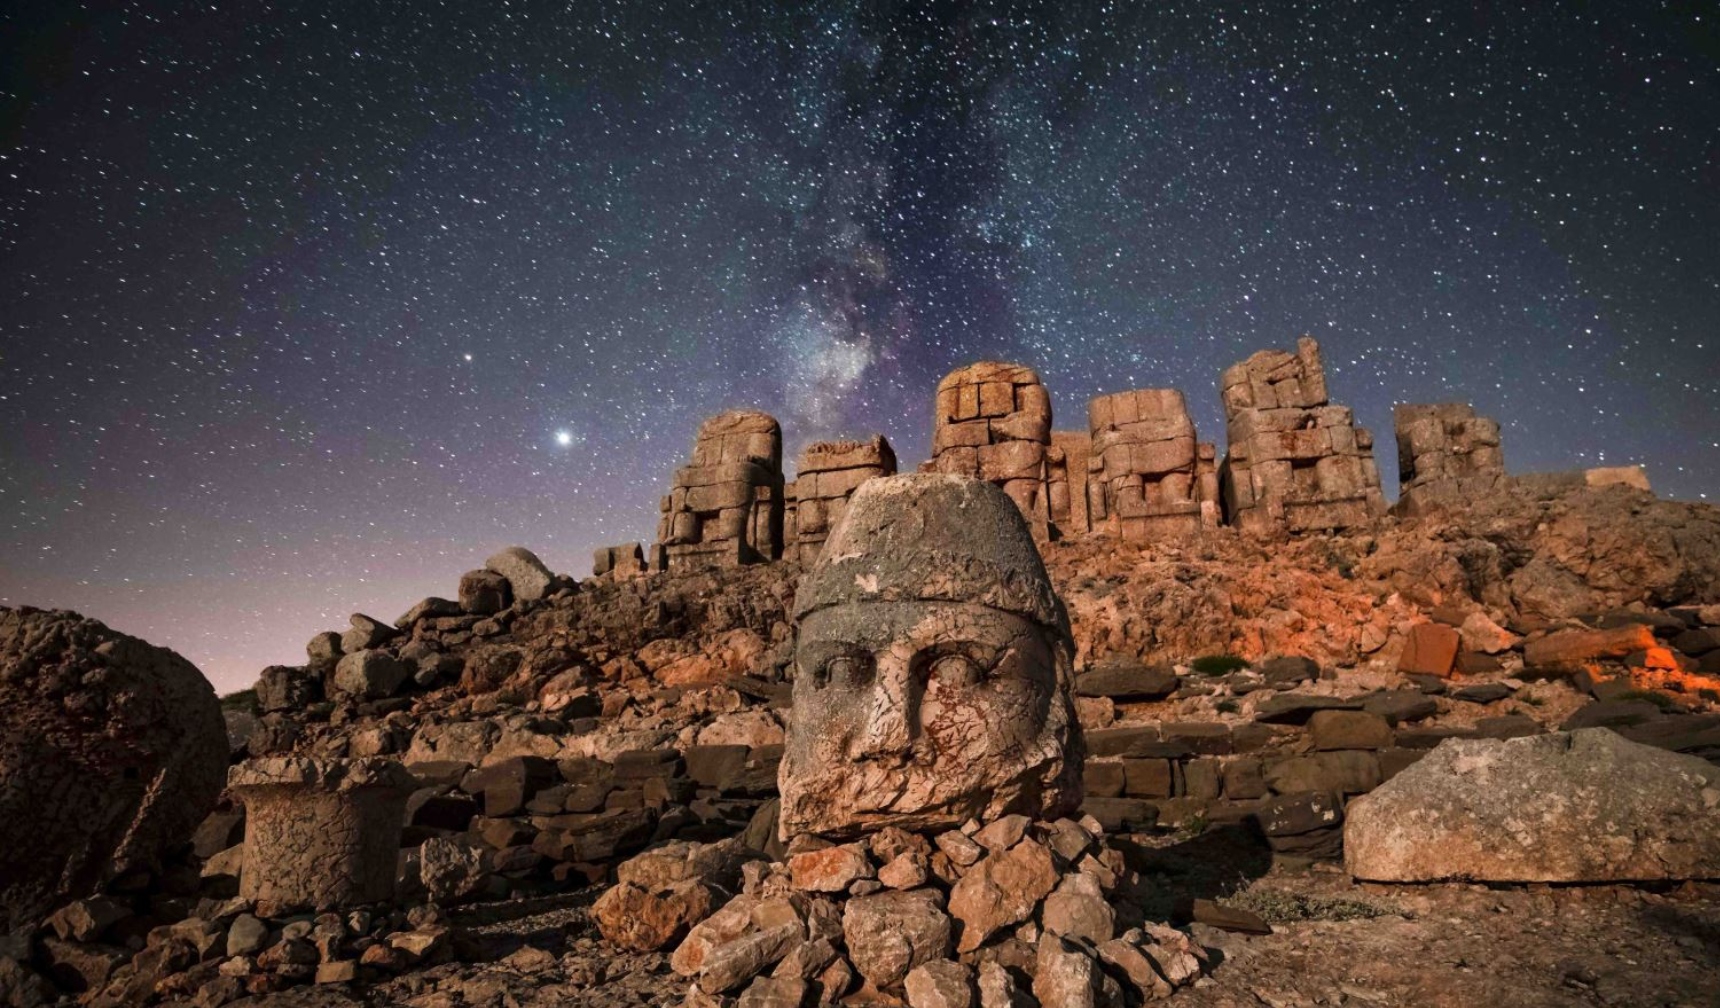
(1430,649)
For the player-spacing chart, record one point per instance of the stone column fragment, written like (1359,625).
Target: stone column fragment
(320,834)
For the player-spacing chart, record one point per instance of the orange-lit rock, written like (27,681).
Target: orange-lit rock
(1571,648)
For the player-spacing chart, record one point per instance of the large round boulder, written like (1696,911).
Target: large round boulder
(1581,806)
(112,750)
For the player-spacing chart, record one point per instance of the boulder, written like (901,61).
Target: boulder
(112,751)
(366,632)
(940,984)
(890,933)
(1582,806)
(526,574)
(484,593)
(370,675)
(1341,729)
(287,688)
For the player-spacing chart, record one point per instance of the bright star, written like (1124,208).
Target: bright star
(468,358)
(563,438)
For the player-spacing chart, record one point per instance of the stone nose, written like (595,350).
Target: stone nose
(892,725)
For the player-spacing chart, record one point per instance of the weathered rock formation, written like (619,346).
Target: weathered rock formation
(1581,806)
(828,474)
(1146,467)
(1446,455)
(320,834)
(933,668)
(1295,461)
(726,506)
(112,751)
(992,421)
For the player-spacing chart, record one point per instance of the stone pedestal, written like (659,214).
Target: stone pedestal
(320,834)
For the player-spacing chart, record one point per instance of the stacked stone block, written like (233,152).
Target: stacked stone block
(1146,467)
(1445,454)
(828,474)
(1296,462)
(726,508)
(993,422)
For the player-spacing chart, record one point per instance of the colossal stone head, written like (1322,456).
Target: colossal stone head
(933,668)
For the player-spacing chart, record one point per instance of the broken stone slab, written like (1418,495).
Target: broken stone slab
(1001,890)
(1126,680)
(1566,649)
(1582,806)
(890,933)
(1429,649)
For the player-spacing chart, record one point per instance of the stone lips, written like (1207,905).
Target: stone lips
(922,563)
(112,750)
(1582,806)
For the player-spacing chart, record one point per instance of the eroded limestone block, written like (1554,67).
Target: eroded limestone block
(320,834)
(1446,454)
(827,476)
(933,668)
(1146,469)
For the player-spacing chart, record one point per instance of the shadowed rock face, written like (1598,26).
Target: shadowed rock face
(112,751)
(933,668)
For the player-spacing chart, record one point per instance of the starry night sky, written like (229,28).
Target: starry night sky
(307,308)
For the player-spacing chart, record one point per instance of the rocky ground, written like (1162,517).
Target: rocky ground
(1234,690)
(1333,943)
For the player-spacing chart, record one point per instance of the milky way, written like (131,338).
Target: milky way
(305,309)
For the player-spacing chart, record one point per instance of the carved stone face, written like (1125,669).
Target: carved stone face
(924,713)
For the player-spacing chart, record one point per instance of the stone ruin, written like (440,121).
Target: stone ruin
(1149,476)
(1295,462)
(1445,454)
(828,474)
(616,562)
(993,422)
(1067,463)
(726,507)
(320,834)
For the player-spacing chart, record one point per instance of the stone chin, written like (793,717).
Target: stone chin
(923,715)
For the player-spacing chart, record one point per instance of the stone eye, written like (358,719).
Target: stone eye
(955,670)
(846,670)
